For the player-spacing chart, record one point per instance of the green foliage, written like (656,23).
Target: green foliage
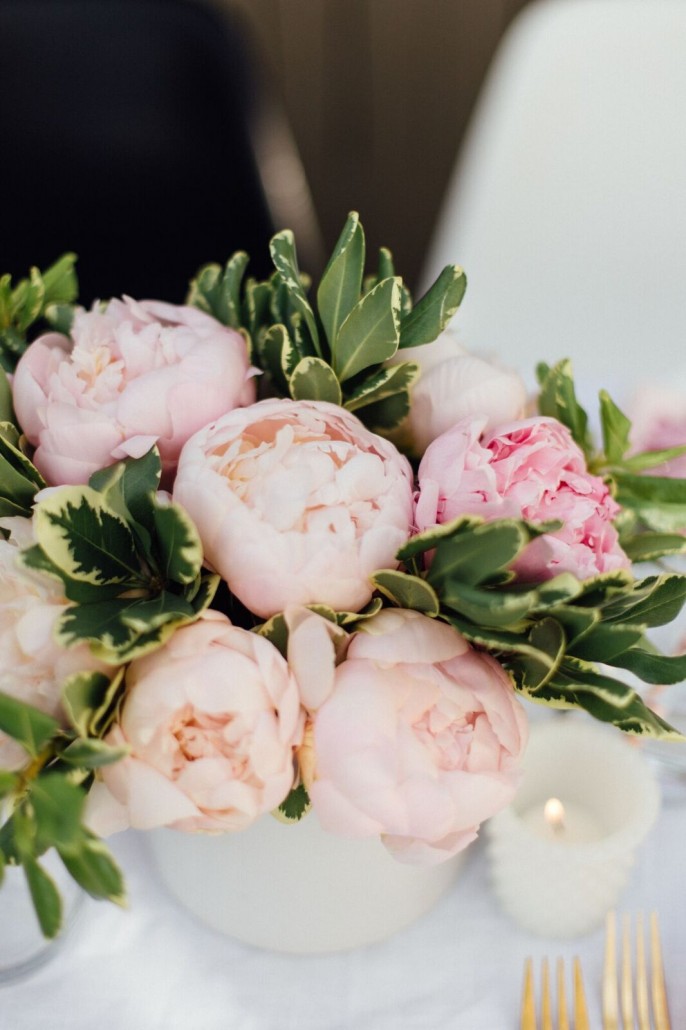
(338,349)
(653,507)
(46,296)
(19,478)
(546,635)
(130,564)
(295,806)
(48,813)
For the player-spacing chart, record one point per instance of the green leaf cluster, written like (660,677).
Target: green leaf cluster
(47,295)
(130,565)
(47,799)
(653,507)
(339,348)
(549,636)
(19,478)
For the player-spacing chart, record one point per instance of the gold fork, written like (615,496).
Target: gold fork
(618,994)
(528,1012)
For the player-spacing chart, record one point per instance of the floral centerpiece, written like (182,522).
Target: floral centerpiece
(276,550)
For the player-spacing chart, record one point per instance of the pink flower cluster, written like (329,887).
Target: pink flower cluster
(530,469)
(399,730)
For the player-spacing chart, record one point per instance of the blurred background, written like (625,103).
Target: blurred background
(350,104)
(540,145)
(378,94)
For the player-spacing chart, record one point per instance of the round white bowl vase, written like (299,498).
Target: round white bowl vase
(296,888)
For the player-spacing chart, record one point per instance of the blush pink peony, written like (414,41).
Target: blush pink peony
(132,375)
(419,740)
(453,385)
(33,668)
(530,469)
(212,720)
(296,502)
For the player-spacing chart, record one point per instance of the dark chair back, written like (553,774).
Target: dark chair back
(125,128)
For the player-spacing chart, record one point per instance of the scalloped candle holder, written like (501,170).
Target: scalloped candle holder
(560,882)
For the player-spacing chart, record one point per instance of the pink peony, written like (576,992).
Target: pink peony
(212,719)
(455,385)
(658,421)
(33,667)
(531,469)
(296,502)
(419,740)
(132,375)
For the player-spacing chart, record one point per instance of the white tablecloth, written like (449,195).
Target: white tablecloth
(154,967)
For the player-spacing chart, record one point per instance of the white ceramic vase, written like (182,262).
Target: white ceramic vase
(295,888)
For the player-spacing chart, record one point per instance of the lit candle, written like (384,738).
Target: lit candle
(560,859)
(564,822)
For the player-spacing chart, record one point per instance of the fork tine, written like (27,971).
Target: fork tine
(528,1012)
(562,1017)
(546,1005)
(660,1009)
(580,1009)
(610,999)
(626,993)
(642,1010)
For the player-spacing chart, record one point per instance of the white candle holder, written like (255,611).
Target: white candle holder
(560,881)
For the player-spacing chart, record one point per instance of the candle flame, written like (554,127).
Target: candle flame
(554,814)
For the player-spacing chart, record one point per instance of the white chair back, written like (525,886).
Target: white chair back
(568,205)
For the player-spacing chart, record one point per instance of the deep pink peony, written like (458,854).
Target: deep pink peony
(296,503)
(132,375)
(531,469)
(419,739)
(212,720)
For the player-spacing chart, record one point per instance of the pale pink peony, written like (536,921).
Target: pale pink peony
(212,719)
(132,375)
(296,502)
(454,385)
(33,667)
(658,421)
(419,740)
(530,469)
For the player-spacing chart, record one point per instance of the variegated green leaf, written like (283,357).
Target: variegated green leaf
(651,546)
(383,384)
(470,557)
(89,700)
(654,601)
(313,380)
(27,725)
(385,415)
(282,249)
(92,754)
(178,546)
(605,641)
(6,408)
(85,538)
(608,699)
(430,315)
(339,289)
(370,333)
(532,670)
(294,807)
(428,540)
(406,591)
(649,666)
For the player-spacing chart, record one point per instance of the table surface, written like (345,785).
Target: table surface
(154,967)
